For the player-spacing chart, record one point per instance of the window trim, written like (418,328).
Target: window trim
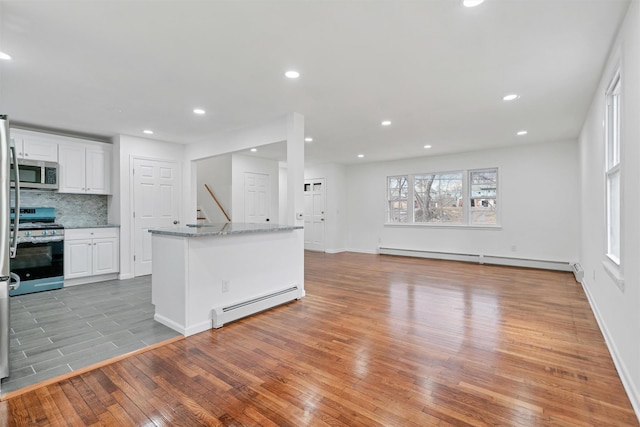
(612,167)
(466,194)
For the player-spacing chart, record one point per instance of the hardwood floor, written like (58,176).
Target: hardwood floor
(378,340)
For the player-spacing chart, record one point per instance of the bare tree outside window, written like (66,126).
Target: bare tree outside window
(398,198)
(465,197)
(438,198)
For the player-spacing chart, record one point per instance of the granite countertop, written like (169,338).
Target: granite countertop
(219,229)
(78,226)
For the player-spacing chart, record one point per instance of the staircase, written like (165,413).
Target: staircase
(201,216)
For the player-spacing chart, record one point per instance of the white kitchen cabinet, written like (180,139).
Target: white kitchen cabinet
(85,168)
(35,145)
(90,253)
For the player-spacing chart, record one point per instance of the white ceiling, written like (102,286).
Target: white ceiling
(436,69)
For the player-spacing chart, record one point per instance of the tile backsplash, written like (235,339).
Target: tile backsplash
(72,210)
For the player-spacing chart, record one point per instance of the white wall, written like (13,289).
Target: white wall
(538,198)
(282,192)
(617,310)
(120,208)
(243,164)
(289,128)
(216,173)
(335,203)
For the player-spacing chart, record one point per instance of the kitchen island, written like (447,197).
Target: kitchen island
(207,275)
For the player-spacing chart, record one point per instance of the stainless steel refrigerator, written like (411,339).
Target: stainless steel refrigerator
(8,244)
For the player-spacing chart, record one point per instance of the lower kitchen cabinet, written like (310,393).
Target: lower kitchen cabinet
(90,255)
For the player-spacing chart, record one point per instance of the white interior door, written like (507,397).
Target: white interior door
(257,197)
(156,201)
(314,208)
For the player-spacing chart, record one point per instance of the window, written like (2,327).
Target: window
(612,169)
(398,198)
(436,198)
(483,189)
(450,198)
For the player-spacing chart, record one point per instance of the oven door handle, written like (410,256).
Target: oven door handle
(13,246)
(16,278)
(40,239)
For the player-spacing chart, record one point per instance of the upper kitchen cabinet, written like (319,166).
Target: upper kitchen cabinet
(34,145)
(85,168)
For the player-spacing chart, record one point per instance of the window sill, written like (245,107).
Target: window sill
(613,271)
(456,226)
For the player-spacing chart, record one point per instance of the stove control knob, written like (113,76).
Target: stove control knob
(53,232)
(44,233)
(27,233)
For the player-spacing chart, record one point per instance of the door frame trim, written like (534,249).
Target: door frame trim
(132,228)
(324,228)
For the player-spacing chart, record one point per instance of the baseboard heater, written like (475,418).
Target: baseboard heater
(480,259)
(222,315)
(578,272)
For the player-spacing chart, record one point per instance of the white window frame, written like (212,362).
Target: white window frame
(466,195)
(496,198)
(613,170)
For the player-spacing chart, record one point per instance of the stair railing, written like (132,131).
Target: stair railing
(217,202)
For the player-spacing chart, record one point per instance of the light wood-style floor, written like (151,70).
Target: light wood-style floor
(377,341)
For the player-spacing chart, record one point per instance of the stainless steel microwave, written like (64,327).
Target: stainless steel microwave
(36,174)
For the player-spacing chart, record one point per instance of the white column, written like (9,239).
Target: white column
(295,168)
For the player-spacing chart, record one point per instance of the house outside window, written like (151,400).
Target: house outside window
(483,192)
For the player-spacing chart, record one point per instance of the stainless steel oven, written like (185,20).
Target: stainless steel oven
(39,261)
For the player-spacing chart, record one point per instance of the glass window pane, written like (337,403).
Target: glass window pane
(483,189)
(613,215)
(483,211)
(613,124)
(397,196)
(438,198)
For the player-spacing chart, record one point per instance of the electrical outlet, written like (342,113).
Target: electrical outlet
(514,248)
(225,286)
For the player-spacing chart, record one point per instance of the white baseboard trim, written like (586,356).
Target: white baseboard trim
(191,330)
(479,258)
(627,382)
(361,251)
(169,323)
(90,279)
(335,251)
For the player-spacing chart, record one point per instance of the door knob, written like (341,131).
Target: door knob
(176,222)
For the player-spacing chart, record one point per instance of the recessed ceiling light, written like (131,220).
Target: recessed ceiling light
(253,150)
(386,123)
(292,74)
(198,111)
(4,56)
(148,131)
(360,155)
(471,3)
(427,146)
(308,139)
(510,97)
(522,132)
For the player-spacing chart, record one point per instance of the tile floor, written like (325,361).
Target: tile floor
(56,332)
